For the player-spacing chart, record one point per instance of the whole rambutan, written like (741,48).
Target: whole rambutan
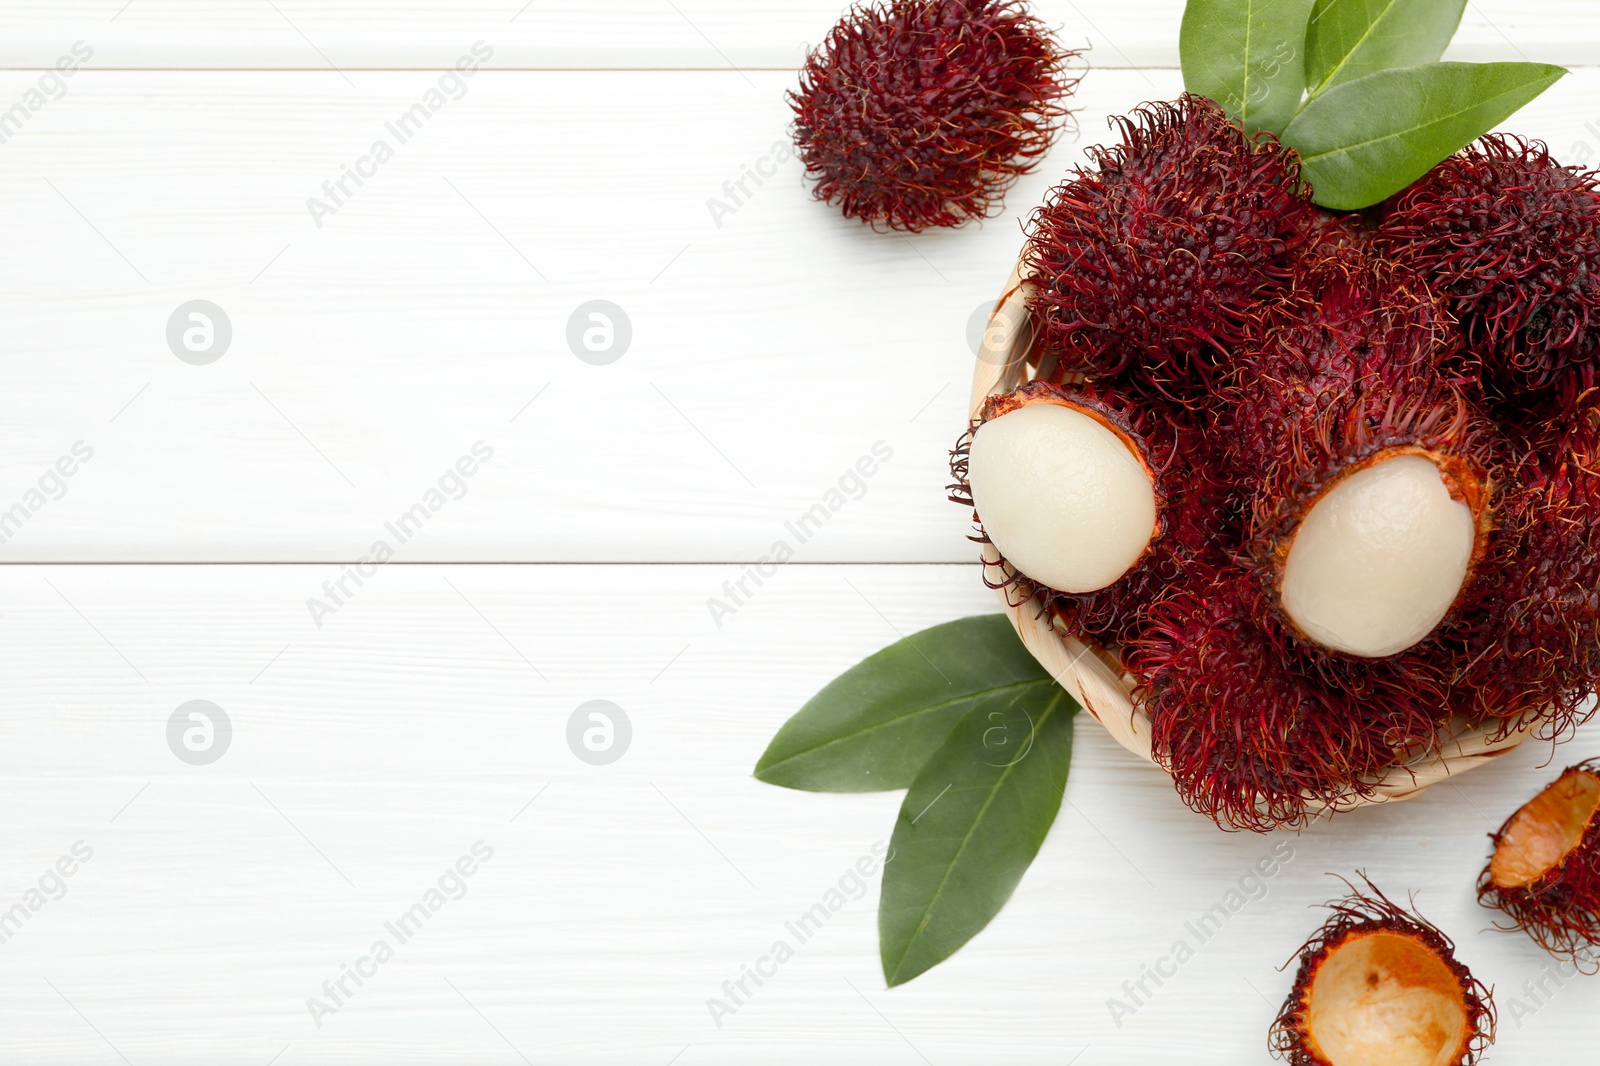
(1152,258)
(1512,239)
(1054,493)
(1251,739)
(1349,325)
(1545,870)
(920,113)
(1530,649)
(1380,986)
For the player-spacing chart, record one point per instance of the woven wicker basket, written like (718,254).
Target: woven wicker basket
(1092,673)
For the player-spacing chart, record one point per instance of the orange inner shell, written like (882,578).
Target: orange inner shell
(1544,832)
(1385,999)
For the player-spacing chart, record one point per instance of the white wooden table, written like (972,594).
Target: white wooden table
(422,713)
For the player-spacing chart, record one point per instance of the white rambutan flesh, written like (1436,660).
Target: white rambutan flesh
(1379,559)
(1061,496)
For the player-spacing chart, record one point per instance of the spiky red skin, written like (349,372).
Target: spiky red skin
(1561,909)
(1253,737)
(1350,326)
(1370,911)
(1191,504)
(1149,260)
(1531,646)
(920,113)
(1512,239)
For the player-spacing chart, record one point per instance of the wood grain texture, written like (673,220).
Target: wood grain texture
(411,726)
(363,34)
(769,353)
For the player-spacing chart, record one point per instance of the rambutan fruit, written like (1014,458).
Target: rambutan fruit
(1367,537)
(1350,324)
(1153,257)
(919,113)
(1531,645)
(1544,873)
(1095,538)
(1512,239)
(1062,486)
(1252,739)
(1380,986)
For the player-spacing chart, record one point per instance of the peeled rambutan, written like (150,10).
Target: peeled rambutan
(1367,536)
(1252,738)
(1512,239)
(1152,258)
(1093,503)
(1380,986)
(919,113)
(1544,873)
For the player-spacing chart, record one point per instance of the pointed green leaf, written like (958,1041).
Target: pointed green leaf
(1365,140)
(970,826)
(1246,55)
(1349,39)
(874,725)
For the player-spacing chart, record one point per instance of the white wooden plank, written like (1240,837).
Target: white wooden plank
(770,353)
(369,754)
(363,34)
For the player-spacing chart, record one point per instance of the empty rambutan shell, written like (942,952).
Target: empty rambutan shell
(1152,258)
(1380,986)
(1544,874)
(1512,239)
(919,113)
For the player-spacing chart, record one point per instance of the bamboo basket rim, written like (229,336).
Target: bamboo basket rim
(1093,675)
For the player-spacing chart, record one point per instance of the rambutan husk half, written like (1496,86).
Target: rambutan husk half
(1191,509)
(1544,873)
(1149,260)
(920,113)
(1380,986)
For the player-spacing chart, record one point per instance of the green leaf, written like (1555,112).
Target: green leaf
(1246,55)
(874,725)
(970,826)
(1349,39)
(1365,140)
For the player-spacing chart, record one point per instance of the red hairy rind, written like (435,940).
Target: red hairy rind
(920,113)
(1512,239)
(1350,325)
(1367,911)
(1190,510)
(1152,258)
(1560,909)
(1530,650)
(1252,741)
